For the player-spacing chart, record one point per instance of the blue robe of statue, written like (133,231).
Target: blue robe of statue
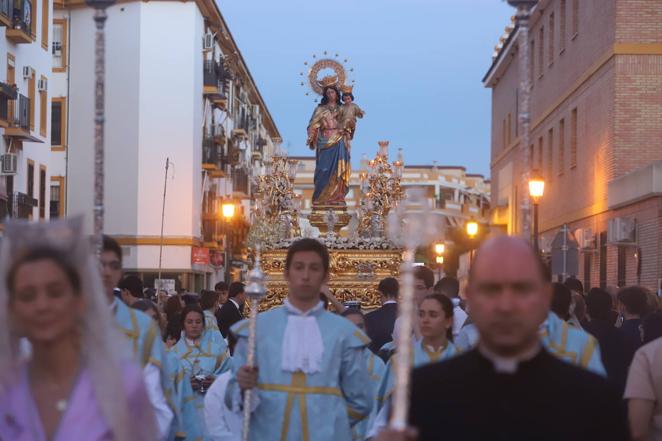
(332,161)
(148,348)
(571,344)
(376,369)
(297,407)
(208,357)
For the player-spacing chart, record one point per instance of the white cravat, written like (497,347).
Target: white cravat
(302,344)
(508,365)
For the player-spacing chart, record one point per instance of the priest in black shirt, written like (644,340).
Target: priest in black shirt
(509,387)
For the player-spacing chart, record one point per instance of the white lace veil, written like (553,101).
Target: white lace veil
(104,349)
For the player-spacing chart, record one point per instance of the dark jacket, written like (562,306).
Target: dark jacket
(616,350)
(547,399)
(227,316)
(379,325)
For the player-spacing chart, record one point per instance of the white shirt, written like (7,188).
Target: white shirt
(221,424)
(162,412)
(459,317)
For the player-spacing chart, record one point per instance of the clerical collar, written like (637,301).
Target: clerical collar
(294,310)
(388,302)
(508,365)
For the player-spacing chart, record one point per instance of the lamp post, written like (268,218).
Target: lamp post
(522,19)
(536,191)
(439,250)
(227,211)
(100,17)
(472,231)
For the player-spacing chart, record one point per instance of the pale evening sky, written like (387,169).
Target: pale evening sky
(418,66)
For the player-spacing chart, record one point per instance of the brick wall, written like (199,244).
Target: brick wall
(619,110)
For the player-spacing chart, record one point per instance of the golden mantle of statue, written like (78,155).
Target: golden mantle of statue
(354,274)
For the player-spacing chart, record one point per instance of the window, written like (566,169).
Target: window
(562,16)
(58,123)
(603,259)
(550,55)
(575,18)
(516,113)
(32,91)
(42,192)
(532,60)
(45,5)
(561,146)
(60,30)
(541,51)
(33,18)
(531,157)
(30,183)
(550,153)
(43,107)
(573,138)
(540,147)
(621,266)
(56,206)
(510,128)
(587,271)
(11,79)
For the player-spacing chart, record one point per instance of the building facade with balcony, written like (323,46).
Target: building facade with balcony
(177,88)
(25,71)
(595,68)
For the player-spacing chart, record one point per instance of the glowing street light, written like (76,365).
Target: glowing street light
(440,260)
(472,229)
(227,209)
(439,248)
(536,191)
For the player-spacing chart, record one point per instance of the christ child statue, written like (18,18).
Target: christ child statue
(349,112)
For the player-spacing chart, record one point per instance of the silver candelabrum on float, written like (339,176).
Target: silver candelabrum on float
(255,291)
(411,225)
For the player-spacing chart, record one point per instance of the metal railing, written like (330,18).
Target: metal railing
(240,181)
(19,113)
(7,9)
(23,15)
(210,73)
(18,206)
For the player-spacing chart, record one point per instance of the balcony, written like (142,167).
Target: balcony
(17,206)
(21,30)
(213,75)
(7,96)
(6,13)
(19,120)
(240,182)
(212,231)
(212,157)
(218,133)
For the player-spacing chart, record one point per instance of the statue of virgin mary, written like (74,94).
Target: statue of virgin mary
(329,140)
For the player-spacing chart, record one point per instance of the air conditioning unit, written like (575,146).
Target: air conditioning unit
(585,238)
(208,41)
(42,85)
(28,72)
(9,163)
(57,48)
(622,231)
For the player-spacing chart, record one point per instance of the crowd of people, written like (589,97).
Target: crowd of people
(88,353)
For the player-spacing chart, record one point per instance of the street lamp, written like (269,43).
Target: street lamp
(439,250)
(227,209)
(472,229)
(536,191)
